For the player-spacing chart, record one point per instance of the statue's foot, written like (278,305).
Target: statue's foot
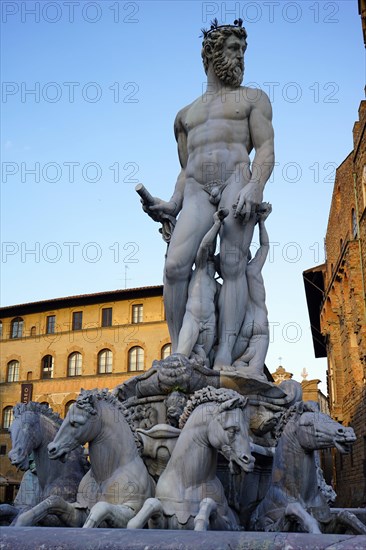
(252,373)
(223,360)
(224,368)
(243,368)
(240,365)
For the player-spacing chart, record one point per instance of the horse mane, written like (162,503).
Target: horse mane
(40,408)
(209,395)
(85,401)
(295,410)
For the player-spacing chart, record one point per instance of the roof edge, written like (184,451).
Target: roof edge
(79,299)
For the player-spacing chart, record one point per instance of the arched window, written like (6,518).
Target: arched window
(13,371)
(16,330)
(166,351)
(7,417)
(47,367)
(33,331)
(354,224)
(68,405)
(136,359)
(105,360)
(74,364)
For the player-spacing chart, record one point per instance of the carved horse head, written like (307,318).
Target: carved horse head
(228,432)
(33,424)
(78,427)
(224,414)
(96,416)
(316,430)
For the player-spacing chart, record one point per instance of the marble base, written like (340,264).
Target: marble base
(47,538)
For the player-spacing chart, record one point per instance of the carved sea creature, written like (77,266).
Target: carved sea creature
(117,484)
(294,500)
(188,493)
(33,428)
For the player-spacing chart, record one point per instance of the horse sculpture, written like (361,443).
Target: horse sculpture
(188,493)
(294,500)
(33,428)
(117,484)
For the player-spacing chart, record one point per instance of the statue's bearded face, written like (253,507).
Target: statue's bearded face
(228,62)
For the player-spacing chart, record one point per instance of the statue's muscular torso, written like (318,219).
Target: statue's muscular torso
(217,134)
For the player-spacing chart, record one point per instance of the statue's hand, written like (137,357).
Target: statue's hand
(264,211)
(220,215)
(248,201)
(158,208)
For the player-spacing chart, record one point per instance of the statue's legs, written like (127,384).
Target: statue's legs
(243,339)
(188,334)
(55,505)
(207,337)
(152,510)
(113,514)
(236,238)
(295,511)
(194,221)
(209,518)
(207,512)
(251,363)
(346,522)
(248,354)
(256,363)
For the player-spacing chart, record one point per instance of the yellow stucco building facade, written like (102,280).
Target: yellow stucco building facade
(53,348)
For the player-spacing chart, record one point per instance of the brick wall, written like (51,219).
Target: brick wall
(343,314)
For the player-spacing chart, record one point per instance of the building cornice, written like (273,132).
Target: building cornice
(81,300)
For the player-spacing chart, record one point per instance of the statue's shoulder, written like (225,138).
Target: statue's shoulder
(181,116)
(182,112)
(254,95)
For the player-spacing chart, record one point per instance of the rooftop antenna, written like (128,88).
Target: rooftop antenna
(126,278)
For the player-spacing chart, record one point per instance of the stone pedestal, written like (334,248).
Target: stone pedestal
(24,538)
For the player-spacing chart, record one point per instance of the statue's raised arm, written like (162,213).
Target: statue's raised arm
(150,205)
(158,209)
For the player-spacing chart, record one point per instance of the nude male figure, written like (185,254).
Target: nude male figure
(198,331)
(253,340)
(215,135)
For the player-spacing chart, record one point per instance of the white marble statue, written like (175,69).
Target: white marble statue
(253,340)
(294,500)
(117,484)
(189,494)
(198,331)
(216,134)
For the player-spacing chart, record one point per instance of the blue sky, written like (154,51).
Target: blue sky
(108,78)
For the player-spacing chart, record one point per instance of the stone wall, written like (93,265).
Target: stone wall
(343,314)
